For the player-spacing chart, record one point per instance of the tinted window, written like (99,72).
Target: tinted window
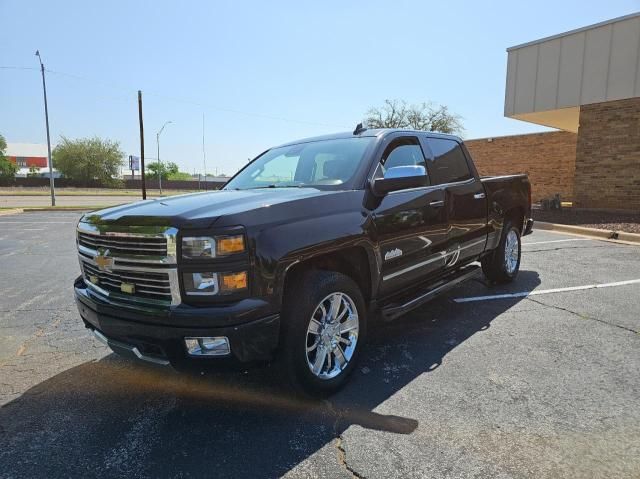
(403,152)
(449,163)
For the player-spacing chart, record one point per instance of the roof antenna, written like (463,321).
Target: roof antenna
(359,129)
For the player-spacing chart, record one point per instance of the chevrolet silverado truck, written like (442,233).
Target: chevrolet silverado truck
(301,252)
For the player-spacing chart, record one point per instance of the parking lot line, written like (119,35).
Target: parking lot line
(522,294)
(557,241)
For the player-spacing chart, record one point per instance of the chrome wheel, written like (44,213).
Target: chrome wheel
(511,252)
(332,335)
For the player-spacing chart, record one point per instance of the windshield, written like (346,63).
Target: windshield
(324,163)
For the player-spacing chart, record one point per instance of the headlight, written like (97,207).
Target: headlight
(194,247)
(211,284)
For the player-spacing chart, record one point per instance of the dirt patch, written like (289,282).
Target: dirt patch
(628,222)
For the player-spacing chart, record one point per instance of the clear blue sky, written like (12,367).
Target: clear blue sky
(317,65)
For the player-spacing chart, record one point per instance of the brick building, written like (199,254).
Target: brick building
(585,82)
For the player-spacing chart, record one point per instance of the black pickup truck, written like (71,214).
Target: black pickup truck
(299,254)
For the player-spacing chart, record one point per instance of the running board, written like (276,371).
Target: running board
(392,311)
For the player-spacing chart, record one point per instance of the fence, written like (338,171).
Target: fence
(128,184)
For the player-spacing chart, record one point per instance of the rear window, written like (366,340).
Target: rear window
(449,163)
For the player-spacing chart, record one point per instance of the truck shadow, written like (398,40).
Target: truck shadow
(115,417)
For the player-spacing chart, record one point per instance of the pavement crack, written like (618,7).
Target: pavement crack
(342,458)
(582,316)
(339,441)
(561,248)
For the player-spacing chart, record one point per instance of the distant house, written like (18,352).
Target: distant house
(28,155)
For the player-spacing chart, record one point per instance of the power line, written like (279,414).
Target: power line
(17,68)
(186,101)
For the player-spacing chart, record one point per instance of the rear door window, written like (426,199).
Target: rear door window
(449,165)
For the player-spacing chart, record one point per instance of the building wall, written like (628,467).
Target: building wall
(548,159)
(608,155)
(28,161)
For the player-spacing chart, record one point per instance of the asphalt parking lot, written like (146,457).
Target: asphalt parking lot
(546,385)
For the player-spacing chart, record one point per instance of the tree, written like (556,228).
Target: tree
(422,116)
(181,175)
(88,159)
(166,170)
(8,169)
(169,171)
(34,172)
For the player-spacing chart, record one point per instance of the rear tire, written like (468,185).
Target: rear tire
(323,331)
(503,264)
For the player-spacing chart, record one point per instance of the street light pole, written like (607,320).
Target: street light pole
(46,117)
(159,163)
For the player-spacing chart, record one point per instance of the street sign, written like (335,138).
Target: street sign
(134,163)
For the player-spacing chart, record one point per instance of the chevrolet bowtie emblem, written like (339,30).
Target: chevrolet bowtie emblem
(104,262)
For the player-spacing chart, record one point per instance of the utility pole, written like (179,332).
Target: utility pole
(144,186)
(46,118)
(159,163)
(204,155)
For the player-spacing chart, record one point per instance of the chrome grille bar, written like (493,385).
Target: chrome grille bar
(144,257)
(130,245)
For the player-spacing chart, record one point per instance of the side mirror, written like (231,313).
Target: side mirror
(400,178)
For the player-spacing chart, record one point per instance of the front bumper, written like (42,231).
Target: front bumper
(159,338)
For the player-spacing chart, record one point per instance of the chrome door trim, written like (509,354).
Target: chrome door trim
(435,257)
(435,187)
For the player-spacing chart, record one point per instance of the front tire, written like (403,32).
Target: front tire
(503,264)
(324,328)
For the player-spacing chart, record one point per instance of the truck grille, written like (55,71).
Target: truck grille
(150,285)
(132,245)
(130,263)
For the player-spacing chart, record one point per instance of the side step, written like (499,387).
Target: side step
(392,311)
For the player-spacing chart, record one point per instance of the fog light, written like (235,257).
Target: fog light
(232,282)
(208,346)
(201,284)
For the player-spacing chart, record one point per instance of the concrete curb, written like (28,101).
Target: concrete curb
(62,208)
(11,211)
(593,232)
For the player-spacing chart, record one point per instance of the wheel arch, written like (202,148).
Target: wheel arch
(354,262)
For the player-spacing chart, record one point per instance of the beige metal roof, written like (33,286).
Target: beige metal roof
(548,79)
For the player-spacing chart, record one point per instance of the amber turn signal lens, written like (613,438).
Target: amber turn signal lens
(229,245)
(232,282)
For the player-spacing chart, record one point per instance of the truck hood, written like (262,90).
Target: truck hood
(197,210)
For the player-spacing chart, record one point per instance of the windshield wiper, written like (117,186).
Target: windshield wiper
(273,186)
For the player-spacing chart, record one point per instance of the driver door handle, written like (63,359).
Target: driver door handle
(437,204)
(479,196)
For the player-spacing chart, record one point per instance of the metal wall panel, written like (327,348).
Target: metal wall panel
(596,65)
(526,67)
(624,59)
(570,79)
(589,65)
(510,90)
(547,77)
